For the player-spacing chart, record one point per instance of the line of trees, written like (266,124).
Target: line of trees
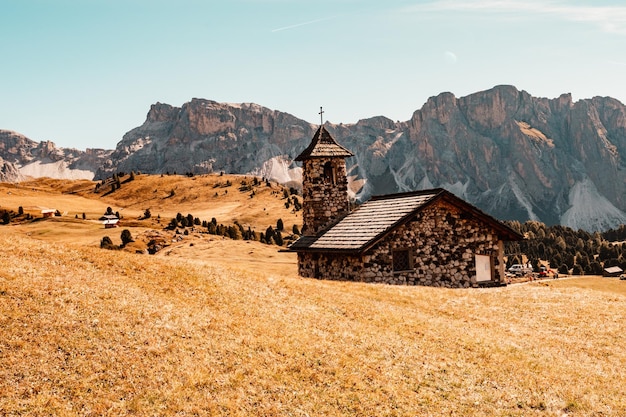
(234,231)
(114,181)
(579,252)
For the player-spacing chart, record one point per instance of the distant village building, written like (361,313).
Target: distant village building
(428,237)
(613,271)
(46,213)
(110,221)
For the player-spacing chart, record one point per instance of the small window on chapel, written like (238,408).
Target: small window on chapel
(329,172)
(402,260)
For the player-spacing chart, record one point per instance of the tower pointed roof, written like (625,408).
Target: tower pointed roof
(323,145)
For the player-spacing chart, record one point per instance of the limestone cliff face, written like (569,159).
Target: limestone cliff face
(21,157)
(9,172)
(204,136)
(520,157)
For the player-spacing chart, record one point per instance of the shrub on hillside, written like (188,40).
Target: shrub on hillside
(173,224)
(126,237)
(296,204)
(107,243)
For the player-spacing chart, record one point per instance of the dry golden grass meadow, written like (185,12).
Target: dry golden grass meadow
(227,328)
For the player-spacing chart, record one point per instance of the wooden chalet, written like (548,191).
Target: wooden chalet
(110,221)
(428,237)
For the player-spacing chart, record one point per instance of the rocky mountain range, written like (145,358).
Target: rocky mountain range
(21,157)
(513,155)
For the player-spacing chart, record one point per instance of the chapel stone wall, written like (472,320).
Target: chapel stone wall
(442,241)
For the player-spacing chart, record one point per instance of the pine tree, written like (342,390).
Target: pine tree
(278,238)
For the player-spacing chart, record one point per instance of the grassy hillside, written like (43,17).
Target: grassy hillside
(227,328)
(205,197)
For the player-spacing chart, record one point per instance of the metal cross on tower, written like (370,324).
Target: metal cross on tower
(321,113)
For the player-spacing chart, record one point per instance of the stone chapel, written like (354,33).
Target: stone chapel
(428,237)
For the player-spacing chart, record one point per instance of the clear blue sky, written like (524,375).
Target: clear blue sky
(81,73)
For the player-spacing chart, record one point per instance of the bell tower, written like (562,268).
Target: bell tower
(324,182)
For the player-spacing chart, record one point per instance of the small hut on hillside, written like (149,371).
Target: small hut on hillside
(110,221)
(47,213)
(613,271)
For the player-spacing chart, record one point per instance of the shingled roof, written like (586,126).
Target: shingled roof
(323,145)
(364,227)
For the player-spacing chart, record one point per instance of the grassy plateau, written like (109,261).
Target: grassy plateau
(217,327)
